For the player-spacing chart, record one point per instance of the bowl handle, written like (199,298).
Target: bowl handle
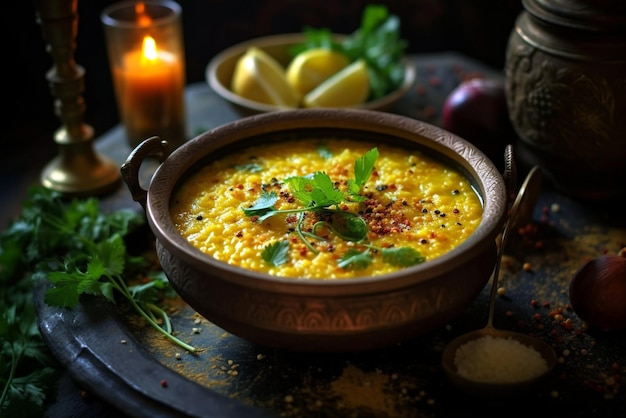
(153,146)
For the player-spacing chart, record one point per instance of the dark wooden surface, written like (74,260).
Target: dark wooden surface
(404,380)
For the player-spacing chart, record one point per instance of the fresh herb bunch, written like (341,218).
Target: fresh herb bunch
(81,250)
(378,41)
(317,194)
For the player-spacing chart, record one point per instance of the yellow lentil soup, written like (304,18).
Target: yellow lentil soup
(409,201)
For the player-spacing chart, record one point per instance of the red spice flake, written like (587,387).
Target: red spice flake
(567,324)
(163,383)
(534,303)
(239,234)
(546,304)
(430,111)
(537,317)
(556,311)
(420,89)
(434,81)
(239,186)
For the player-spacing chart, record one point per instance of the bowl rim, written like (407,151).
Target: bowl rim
(211,74)
(168,174)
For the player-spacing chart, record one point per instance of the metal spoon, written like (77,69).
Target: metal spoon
(520,213)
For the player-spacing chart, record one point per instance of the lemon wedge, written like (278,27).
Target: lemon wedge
(310,68)
(348,87)
(259,77)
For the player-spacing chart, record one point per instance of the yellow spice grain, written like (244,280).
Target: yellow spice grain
(413,200)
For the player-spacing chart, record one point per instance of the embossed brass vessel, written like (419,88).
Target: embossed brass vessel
(322,315)
(566,93)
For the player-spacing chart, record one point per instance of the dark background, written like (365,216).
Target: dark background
(477,28)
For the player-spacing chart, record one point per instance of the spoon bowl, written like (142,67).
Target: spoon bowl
(519,213)
(499,389)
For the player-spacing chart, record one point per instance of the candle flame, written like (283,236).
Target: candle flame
(142,18)
(149,49)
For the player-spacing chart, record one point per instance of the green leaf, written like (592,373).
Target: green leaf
(324,193)
(363,168)
(346,225)
(263,205)
(251,167)
(355,259)
(302,189)
(276,253)
(402,256)
(112,252)
(324,152)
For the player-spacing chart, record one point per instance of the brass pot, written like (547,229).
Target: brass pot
(321,315)
(566,93)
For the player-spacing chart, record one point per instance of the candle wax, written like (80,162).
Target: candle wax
(150,96)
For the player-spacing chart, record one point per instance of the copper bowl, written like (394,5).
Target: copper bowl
(321,315)
(220,71)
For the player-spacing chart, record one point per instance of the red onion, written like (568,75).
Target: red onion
(476,110)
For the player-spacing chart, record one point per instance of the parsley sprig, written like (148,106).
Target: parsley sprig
(318,194)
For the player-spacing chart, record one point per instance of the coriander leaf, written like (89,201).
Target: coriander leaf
(325,193)
(402,256)
(251,167)
(65,292)
(112,252)
(324,152)
(346,225)
(302,189)
(356,259)
(363,168)
(276,253)
(264,204)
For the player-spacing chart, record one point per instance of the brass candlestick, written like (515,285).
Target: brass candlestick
(78,170)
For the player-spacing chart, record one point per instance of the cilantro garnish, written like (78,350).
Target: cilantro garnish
(80,250)
(318,194)
(276,253)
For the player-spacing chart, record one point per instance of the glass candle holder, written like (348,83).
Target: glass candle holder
(147,60)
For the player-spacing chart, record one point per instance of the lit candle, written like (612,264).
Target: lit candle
(148,70)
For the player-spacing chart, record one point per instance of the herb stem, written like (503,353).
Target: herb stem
(302,236)
(5,391)
(120,285)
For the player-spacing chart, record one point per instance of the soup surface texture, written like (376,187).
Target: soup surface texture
(410,201)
